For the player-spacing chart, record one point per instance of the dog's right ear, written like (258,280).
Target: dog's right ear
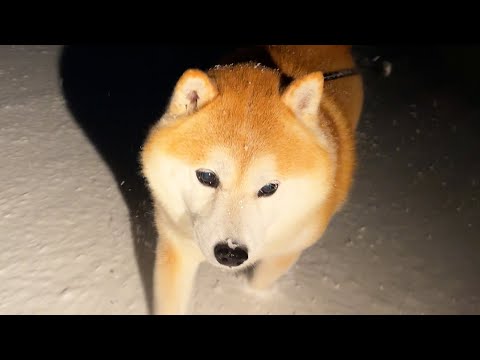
(193,90)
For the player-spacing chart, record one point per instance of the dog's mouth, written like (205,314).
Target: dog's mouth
(237,270)
(233,269)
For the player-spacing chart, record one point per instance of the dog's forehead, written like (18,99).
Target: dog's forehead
(235,138)
(236,171)
(261,140)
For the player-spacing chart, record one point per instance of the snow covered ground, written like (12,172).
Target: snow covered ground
(407,242)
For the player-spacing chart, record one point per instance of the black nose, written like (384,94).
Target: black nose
(233,255)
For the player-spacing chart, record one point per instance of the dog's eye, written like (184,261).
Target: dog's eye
(268,190)
(207,178)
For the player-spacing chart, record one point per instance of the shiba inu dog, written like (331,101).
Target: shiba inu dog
(249,163)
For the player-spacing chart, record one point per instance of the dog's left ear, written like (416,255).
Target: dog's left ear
(303,95)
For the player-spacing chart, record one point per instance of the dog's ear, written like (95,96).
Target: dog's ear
(193,90)
(304,94)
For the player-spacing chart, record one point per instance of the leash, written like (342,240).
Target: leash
(385,67)
(285,80)
(333,75)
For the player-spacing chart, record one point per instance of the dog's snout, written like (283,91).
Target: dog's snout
(230,254)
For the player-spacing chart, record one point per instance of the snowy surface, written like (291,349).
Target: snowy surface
(407,242)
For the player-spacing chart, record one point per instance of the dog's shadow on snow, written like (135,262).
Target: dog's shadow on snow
(116,93)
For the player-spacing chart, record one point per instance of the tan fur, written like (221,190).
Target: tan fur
(242,112)
(175,269)
(271,269)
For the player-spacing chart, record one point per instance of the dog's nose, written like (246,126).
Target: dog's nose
(230,254)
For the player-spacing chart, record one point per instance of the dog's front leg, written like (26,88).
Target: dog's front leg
(270,269)
(174,276)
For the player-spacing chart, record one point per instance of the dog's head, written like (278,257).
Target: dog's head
(236,162)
